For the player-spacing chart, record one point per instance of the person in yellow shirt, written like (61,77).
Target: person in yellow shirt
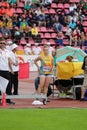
(9,24)
(34,33)
(45,71)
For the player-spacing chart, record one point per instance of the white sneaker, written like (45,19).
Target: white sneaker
(37,102)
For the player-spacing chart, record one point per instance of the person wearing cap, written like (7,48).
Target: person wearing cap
(15,68)
(28,49)
(5,67)
(45,71)
(36,50)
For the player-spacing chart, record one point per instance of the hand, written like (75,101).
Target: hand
(12,72)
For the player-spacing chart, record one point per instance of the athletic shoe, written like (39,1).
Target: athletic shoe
(82,99)
(44,101)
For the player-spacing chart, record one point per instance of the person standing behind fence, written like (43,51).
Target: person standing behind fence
(15,67)
(84,67)
(45,71)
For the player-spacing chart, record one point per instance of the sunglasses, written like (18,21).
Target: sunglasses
(2,42)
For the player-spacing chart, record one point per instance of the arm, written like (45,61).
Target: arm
(10,65)
(36,60)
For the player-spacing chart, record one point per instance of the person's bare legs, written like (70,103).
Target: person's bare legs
(41,84)
(82,92)
(47,82)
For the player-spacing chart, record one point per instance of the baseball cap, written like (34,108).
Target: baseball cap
(48,43)
(14,46)
(28,45)
(36,44)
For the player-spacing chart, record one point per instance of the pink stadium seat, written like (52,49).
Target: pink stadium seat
(71,1)
(53,35)
(84,23)
(66,5)
(85,29)
(43,29)
(67,11)
(47,35)
(46,11)
(52,41)
(64,29)
(19,10)
(23,41)
(54,5)
(52,11)
(0,4)
(31,41)
(20,5)
(13,10)
(76,1)
(50,30)
(42,35)
(83,48)
(65,42)
(20,47)
(44,41)
(60,6)
(0,35)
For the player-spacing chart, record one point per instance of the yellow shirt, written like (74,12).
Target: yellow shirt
(46,64)
(9,25)
(34,31)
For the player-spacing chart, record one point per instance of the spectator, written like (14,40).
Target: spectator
(34,32)
(72,24)
(51,49)
(6,32)
(28,49)
(82,39)
(68,32)
(59,38)
(85,50)
(27,5)
(80,26)
(41,20)
(23,24)
(73,39)
(57,26)
(36,50)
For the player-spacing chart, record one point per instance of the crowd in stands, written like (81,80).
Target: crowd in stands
(59,22)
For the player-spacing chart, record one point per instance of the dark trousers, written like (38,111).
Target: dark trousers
(6,75)
(14,82)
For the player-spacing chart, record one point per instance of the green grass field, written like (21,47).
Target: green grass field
(43,119)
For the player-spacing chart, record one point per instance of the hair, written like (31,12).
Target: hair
(83,65)
(69,58)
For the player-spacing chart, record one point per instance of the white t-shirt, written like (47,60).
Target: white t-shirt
(4,55)
(27,50)
(15,60)
(51,49)
(36,50)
